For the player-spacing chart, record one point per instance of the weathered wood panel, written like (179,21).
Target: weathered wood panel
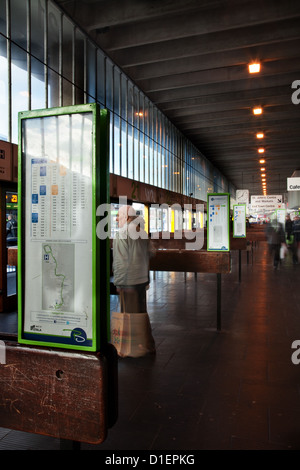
(191,261)
(54,392)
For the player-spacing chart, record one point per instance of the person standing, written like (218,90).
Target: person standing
(131,254)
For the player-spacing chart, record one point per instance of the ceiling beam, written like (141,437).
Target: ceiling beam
(184,24)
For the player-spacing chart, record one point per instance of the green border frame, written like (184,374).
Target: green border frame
(228,218)
(233,227)
(100,248)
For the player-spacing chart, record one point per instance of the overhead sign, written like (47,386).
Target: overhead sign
(266,203)
(293,184)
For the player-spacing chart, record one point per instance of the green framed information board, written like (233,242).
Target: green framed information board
(63,274)
(239,220)
(218,229)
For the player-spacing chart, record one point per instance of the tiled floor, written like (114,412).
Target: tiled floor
(233,389)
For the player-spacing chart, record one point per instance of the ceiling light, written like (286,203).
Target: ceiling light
(254,67)
(262,169)
(261,150)
(263,175)
(257,111)
(262,161)
(260,135)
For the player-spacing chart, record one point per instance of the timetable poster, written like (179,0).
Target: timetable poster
(239,221)
(58,232)
(218,222)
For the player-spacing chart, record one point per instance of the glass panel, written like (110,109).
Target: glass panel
(117,143)
(3,17)
(124,159)
(142,157)
(67,93)
(136,154)
(37,85)
(19,89)
(130,103)
(37,28)
(100,77)
(116,91)
(18,12)
(136,108)
(54,28)
(146,159)
(11,240)
(123,97)
(3,91)
(79,67)
(109,85)
(67,59)
(91,73)
(155,164)
(130,152)
(53,89)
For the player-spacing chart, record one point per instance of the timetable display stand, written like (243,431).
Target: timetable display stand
(63,177)
(218,228)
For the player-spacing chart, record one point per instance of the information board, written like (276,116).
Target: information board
(239,221)
(63,176)
(218,238)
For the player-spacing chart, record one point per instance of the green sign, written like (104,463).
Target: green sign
(239,220)
(218,229)
(63,277)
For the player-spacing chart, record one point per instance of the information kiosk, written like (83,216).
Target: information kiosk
(63,177)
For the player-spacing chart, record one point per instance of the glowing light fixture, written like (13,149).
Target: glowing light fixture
(263,175)
(260,135)
(254,67)
(257,111)
(262,169)
(261,150)
(262,160)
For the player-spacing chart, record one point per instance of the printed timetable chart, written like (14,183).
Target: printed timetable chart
(59,200)
(218,222)
(239,221)
(58,228)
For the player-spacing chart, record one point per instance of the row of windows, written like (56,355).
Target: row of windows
(46,61)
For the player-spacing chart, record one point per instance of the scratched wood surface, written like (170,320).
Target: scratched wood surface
(191,261)
(168,241)
(53,392)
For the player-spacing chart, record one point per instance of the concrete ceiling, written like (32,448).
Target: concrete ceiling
(191,59)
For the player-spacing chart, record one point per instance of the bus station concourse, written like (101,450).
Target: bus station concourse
(152,110)
(224,375)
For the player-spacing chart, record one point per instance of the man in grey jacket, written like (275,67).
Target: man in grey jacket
(131,252)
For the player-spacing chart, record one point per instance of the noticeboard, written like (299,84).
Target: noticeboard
(218,228)
(239,221)
(63,177)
